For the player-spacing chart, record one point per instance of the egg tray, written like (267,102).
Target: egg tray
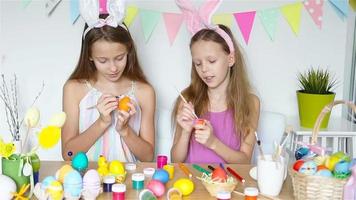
(214,186)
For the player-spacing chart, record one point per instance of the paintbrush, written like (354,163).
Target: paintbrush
(185,101)
(94,106)
(259,146)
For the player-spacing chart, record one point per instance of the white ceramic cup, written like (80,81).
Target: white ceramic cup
(270,175)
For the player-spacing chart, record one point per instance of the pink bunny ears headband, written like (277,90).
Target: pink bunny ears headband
(197,20)
(89,10)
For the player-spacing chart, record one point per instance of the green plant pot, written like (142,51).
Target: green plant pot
(310,106)
(10,168)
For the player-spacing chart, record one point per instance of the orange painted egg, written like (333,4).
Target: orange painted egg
(124,104)
(219,175)
(321,167)
(200,121)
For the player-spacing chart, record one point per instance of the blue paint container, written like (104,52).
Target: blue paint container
(138,180)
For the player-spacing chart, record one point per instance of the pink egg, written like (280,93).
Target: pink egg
(91,177)
(156,187)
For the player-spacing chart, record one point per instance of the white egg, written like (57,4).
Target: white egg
(7,186)
(58,119)
(32,117)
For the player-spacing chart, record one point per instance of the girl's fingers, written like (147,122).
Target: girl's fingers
(132,109)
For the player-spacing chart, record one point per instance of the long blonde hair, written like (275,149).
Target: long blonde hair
(239,98)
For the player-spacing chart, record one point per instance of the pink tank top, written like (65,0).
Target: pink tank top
(224,129)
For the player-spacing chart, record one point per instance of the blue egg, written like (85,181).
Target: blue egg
(324,172)
(80,161)
(308,168)
(47,182)
(161,175)
(301,152)
(73,184)
(342,167)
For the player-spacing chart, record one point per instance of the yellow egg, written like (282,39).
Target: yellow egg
(116,167)
(49,136)
(32,117)
(62,172)
(184,185)
(55,190)
(58,119)
(320,160)
(331,162)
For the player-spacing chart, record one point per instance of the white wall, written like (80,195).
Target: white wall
(40,48)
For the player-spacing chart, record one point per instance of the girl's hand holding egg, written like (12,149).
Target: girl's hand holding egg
(204,134)
(185,117)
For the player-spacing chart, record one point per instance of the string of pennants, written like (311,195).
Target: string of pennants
(245,20)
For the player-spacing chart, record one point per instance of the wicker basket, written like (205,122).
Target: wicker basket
(317,187)
(215,187)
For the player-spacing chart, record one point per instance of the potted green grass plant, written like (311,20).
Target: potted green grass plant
(316,91)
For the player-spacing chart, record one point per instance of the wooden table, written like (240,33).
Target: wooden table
(48,168)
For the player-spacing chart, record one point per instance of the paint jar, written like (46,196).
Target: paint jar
(107,183)
(138,180)
(174,194)
(130,167)
(148,172)
(251,193)
(170,170)
(223,195)
(147,195)
(118,191)
(161,161)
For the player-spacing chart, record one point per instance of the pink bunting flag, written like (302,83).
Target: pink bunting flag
(173,22)
(315,9)
(102,7)
(245,21)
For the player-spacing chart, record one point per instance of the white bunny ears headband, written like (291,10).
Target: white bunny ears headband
(89,10)
(197,20)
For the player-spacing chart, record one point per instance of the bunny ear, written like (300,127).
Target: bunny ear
(190,15)
(207,10)
(116,9)
(89,10)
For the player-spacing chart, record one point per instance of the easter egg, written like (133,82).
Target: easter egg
(184,185)
(47,182)
(73,184)
(156,187)
(308,168)
(124,104)
(62,172)
(219,175)
(8,186)
(331,162)
(324,172)
(161,175)
(298,164)
(200,121)
(91,178)
(58,119)
(301,152)
(342,167)
(32,117)
(49,136)
(321,167)
(55,190)
(320,160)
(116,167)
(80,161)
(342,156)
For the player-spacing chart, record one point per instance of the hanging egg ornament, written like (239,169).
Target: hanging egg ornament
(32,117)
(156,187)
(184,185)
(301,152)
(49,136)
(58,119)
(219,175)
(161,175)
(80,161)
(308,168)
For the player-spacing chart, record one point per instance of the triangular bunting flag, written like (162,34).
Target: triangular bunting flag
(292,13)
(353,4)
(245,21)
(131,12)
(149,20)
(315,9)
(224,19)
(173,21)
(51,5)
(102,7)
(25,3)
(74,10)
(269,19)
(340,7)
